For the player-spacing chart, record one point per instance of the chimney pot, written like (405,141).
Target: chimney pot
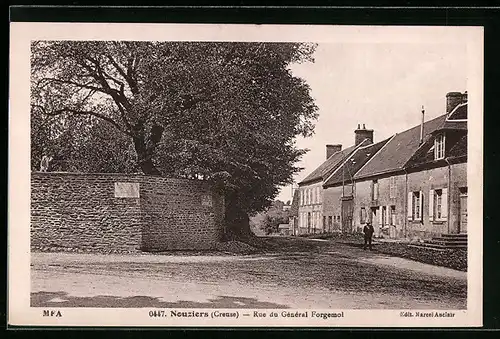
(453,99)
(359,126)
(362,134)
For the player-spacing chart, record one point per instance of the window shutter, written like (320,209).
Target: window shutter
(380,218)
(421,206)
(410,206)
(431,205)
(444,204)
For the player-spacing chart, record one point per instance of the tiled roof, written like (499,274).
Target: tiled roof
(453,125)
(394,155)
(456,146)
(327,168)
(459,113)
(354,163)
(459,149)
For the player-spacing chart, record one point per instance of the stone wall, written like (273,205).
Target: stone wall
(122,213)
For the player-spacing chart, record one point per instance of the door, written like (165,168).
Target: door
(347,210)
(463,214)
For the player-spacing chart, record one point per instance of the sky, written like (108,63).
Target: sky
(381,85)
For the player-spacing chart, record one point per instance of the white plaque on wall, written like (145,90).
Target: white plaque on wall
(206,200)
(126,190)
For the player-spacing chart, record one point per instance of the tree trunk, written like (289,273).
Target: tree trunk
(236,220)
(145,147)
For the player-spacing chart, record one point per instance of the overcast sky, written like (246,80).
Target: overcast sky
(381,85)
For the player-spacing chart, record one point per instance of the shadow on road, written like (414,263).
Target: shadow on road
(62,299)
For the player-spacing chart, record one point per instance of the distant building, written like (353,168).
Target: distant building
(311,188)
(284,229)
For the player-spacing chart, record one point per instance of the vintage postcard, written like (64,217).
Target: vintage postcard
(245,175)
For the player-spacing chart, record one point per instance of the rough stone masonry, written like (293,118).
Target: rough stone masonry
(113,213)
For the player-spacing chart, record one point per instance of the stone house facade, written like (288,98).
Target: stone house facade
(437,178)
(312,218)
(412,185)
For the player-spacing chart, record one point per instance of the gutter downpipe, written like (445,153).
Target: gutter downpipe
(405,213)
(449,195)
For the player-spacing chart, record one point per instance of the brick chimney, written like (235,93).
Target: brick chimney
(331,149)
(361,134)
(453,99)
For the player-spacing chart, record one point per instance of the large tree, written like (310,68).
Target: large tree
(226,112)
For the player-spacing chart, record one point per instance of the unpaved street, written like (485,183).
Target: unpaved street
(336,277)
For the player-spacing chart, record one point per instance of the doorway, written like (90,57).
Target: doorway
(347,210)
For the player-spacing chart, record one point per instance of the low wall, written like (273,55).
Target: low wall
(122,213)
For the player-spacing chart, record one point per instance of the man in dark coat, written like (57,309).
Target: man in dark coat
(368,230)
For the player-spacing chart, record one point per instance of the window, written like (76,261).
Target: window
(383,215)
(374,189)
(415,203)
(393,215)
(330,222)
(438,204)
(439,147)
(362,216)
(438,200)
(324,222)
(392,187)
(301,198)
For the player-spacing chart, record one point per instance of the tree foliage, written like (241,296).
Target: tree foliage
(227,112)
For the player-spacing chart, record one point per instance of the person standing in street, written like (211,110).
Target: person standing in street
(368,230)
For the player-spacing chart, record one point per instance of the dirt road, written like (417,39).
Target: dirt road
(337,277)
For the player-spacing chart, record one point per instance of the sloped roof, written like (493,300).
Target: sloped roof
(459,112)
(394,155)
(330,165)
(459,149)
(355,161)
(457,143)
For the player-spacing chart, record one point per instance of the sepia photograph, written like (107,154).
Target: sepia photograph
(301,176)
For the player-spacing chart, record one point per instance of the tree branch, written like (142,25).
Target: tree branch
(79,112)
(69,82)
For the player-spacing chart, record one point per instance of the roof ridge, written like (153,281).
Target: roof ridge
(349,156)
(425,122)
(388,140)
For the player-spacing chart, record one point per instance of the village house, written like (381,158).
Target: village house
(339,190)
(437,177)
(411,185)
(380,184)
(391,187)
(310,215)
